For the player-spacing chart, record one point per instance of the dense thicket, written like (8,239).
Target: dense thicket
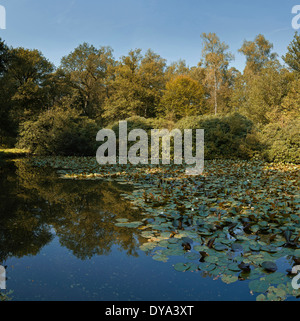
(254,112)
(59,132)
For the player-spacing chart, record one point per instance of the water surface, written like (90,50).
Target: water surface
(59,241)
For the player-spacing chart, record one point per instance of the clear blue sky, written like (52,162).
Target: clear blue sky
(171,28)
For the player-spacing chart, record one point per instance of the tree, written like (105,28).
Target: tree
(89,70)
(23,89)
(177,68)
(124,100)
(292,58)
(264,83)
(264,92)
(4,117)
(152,80)
(258,53)
(291,102)
(4,57)
(183,97)
(137,86)
(216,61)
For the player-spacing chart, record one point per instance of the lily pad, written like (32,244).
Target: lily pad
(259,286)
(261,297)
(181,267)
(206,266)
(220,247)
(236,247)
(211,259)
(191,256)
(269,266)
(233,267)
(229,278)
(160,257)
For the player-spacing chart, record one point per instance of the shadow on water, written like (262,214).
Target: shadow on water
(34,201)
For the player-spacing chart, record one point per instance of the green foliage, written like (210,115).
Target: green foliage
(282,141)
(216,61)
(292,57)
(137,86)
(23,87)
(158,123)
(134,122)
(59,132)
(257,53)
(229,136)
(141,87)
(87,71)
(291,102)
(260,95)
(183,97)
(4,56)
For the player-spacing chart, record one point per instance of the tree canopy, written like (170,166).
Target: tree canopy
(91,88)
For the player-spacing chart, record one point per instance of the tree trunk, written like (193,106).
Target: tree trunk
(216,103)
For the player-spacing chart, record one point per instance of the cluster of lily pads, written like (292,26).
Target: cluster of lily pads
(238,221)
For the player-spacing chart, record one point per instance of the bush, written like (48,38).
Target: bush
(282,141)
(59,132)
(160,123)
(134,122)
(225,137)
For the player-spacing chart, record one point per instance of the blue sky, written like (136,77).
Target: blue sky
(171,28)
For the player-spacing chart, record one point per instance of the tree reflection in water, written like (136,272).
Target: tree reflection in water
(35,202)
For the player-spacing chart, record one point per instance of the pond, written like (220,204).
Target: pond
(72,231)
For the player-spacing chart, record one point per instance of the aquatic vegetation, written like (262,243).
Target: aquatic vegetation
(6,296)
(238,221)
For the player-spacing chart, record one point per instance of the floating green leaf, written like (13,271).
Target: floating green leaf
(229,278)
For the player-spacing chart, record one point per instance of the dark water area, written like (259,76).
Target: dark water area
(59,242)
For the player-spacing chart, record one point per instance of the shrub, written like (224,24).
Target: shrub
(59,132)
(282,141)
(229,136)
(134,122)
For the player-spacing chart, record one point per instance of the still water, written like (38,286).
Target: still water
(59,242)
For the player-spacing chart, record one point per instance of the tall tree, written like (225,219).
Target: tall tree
(216,61)
(177,68)
(152,79)
(4,56)
(183,97)
(258,53)
(265,81)
(89,70)
(24,92)
(124,100)
(137,86)
(4,113)
(292,57)
(264,92)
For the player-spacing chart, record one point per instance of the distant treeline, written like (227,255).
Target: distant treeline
(58,110)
